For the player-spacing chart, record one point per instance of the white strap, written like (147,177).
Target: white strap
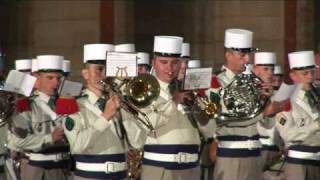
(307,108)
(107,167)
(178,158)
(48,157)
(45,108)
(249,144)
(304,155)
(267,141)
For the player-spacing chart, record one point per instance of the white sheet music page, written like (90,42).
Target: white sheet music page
(197,78)
(285,92)
(121,64)
(70,88)
(19,82)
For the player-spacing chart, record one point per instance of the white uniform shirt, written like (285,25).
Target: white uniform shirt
(300,125)
(93,134)
(40,122)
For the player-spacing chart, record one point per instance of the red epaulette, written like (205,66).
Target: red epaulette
(202,92)
(215,83)
(287,106)
(23,105)
(66,106)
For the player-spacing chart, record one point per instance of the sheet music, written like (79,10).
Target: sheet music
(70,88)
(285,92)
(121,64)
(19,82)
(197,78)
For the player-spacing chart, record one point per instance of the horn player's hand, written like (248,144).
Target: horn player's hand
(182,97)
(274,107)
(111,108)
(267,89)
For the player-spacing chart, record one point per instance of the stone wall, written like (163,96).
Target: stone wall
(202,23)
(62,27)
(55,27)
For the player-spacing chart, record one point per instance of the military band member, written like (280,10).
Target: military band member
(23,65)
(97,132)
(173,152)
(185,57)
(128,48)
(66,68)
(37,130)
(194,64)
(264,63)
(238,145)
(143,62)
(277,77)
(299,126)
(206,165)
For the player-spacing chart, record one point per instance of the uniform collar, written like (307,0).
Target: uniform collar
(228,72)
(92,97)
(44,97)
(302,95)
(163,85)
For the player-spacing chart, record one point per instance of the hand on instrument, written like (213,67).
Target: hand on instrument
(182,97)
(274,107)
(58,134)
(267,89)
(111,108)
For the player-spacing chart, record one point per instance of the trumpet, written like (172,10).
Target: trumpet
(140,92)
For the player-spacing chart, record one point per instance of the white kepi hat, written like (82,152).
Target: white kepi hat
(143,58)
(23,64)
(265,58)
(50,63)
(194,64)
(66,66)
(96,52)
(34,67)
(301,60)
(277,70)
(185,50)
(168,46)
(129,48)
(239,39)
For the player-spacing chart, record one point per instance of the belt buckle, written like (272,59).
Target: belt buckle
(250,144)
(61,156)
(58,157)
(181,157)
(110,167)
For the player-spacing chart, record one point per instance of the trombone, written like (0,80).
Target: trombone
(140,91)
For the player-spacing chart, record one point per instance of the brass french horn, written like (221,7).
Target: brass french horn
(243,99)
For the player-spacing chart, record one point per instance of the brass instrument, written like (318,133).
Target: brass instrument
(140,92)
(242,98)
(134,163)
(210,108)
